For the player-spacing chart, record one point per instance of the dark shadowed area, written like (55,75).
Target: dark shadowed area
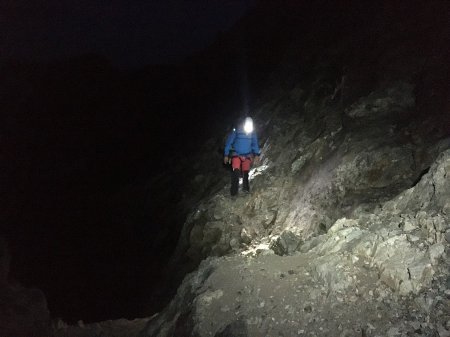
(133,33)
(91,178)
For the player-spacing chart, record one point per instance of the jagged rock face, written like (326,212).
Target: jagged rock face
(342,125)
(310,178)
(392,268)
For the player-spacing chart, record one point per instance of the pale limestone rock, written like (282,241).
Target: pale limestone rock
(446,208)
(208,297)
(410,224)
(285,244)
(298,164)
(341,240)
(402,266)
(367,247)
(330,270)
(245,236)
(436,251)
(341,224)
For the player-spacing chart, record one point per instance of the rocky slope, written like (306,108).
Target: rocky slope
(382,271)
(346,230)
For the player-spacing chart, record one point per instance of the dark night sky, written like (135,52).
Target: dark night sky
(129,33)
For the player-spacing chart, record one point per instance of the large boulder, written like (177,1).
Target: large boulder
(285,244)
(403,267)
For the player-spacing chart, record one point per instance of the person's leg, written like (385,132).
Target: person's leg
(235,174)
(245,170)
(245,182)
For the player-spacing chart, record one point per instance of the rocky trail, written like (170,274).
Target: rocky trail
(384,273)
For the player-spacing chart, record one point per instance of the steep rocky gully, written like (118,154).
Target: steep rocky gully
(346,230)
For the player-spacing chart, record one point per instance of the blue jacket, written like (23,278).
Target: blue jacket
(242,143)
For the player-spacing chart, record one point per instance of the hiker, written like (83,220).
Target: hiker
(241,148)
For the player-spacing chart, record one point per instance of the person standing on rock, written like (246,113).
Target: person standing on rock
(241,149)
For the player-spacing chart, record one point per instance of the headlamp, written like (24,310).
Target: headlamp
(248,125)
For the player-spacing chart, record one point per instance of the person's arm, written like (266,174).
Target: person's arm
(228,144)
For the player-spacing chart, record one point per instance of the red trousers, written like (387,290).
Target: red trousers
(241,163)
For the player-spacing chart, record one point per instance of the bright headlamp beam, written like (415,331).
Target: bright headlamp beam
(248,126)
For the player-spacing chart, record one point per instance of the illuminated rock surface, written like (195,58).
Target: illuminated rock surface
(366,276)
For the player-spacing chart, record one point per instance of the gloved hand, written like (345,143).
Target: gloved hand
(226,160)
